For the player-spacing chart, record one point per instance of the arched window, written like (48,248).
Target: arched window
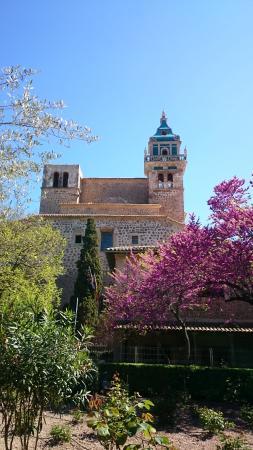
(160,181)
(56,180)
(65,179)
(170,180)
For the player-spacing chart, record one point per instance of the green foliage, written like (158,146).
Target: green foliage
(213,421)
(246,413)
(200,383)
(77,416)
(89,278)
(231,443)
(41,363)
(120,417)
(31,253)
(233,389)
(60,434)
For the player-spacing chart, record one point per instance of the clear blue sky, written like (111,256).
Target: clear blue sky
(117,64)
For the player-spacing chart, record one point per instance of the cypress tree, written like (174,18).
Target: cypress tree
(89,278)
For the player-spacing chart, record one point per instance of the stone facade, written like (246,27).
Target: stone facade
(150,231)
(134,212)
(114,190)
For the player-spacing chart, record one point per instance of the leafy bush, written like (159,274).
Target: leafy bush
(41,362)
(60,434)
(201,383)
(121,417)
(231,443)
(77,416)
(246,414)
(213,421)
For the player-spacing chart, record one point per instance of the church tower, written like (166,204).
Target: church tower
(164,165)
(61,184)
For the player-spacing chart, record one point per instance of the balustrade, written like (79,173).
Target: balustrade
(165,185)
(164,158)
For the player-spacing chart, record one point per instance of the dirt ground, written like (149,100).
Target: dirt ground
(186,435)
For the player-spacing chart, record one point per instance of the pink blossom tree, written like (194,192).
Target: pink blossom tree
(230,272)
(192,268)
(157,286)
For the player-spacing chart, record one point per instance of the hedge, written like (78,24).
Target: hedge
(201,383)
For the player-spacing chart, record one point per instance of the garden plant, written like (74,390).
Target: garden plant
(121,417)
(213,421)
(42,363)
(60,434)
(231,443)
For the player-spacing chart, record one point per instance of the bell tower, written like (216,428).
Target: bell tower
(164,165)
(61,184)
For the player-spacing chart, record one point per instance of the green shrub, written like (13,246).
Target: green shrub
(77,416)
(41,364)
(213,421)
(201,383)
(246,414)
(121,416)
(231,443)
(60,434)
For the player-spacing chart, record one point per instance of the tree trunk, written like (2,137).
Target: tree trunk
(188,342)
(186,335)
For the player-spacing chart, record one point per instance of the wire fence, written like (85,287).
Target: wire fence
(206,356)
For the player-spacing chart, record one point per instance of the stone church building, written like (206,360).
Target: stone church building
(131,214)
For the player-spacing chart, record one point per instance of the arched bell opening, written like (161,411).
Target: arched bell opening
(56,179)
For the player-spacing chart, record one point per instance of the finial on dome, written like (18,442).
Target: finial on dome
(163,116)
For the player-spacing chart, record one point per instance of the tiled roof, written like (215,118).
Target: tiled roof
(129,248)
(210,328)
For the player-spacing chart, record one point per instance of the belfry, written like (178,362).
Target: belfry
(164,165)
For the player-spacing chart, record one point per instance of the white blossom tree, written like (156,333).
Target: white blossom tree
(27,123)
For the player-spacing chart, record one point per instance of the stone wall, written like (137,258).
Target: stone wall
(171,198)
(114,190)
(149,230)
(51,198)
(171,202)
(111,209)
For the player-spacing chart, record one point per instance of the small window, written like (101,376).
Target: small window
(135,240)
(161,177)
(165,152)
(155,150)
(78,239)
(106,239)
(56,180)
(65,179)
(170,177)
(174,149)
(164,132)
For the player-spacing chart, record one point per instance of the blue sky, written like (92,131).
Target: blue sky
(117,64)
